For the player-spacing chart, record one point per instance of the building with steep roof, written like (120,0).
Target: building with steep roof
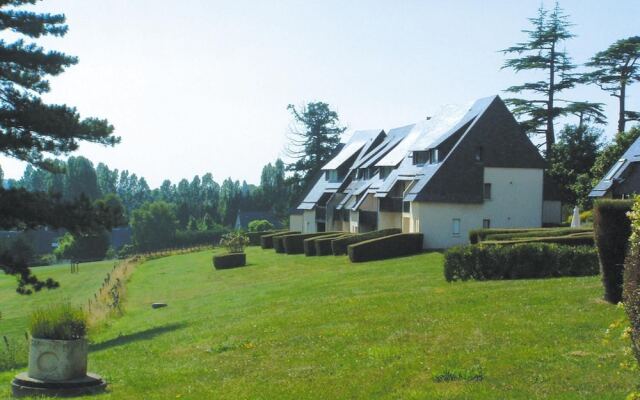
(623,178)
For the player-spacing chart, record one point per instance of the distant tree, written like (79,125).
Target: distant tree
(542,52)
(259,225)
(83,247)
(616,68)
(107,179)
(314,135)
(33,131)
(572,158)
(153,226)
(613,152)
(81,179)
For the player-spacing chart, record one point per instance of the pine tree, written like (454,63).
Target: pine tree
(543,52)
(616,68)
(33,131)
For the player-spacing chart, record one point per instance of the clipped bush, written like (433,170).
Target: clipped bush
(294,244)
(339,246)
(266,241)
(323,244)
(398,245)
(548,232)
(631,293)
(58,322)
(259,225)
(309,244)
(254,237)
(519,261)
(612,230)
(478,235)
(278,244)
(577,239)
(231,260)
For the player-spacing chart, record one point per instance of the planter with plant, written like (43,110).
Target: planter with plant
(235,243)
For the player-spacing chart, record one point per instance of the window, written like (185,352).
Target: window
(331,175)
(433,156)
(487,191)
(385,171)
(486,223)
(614,170)
(479,155)
(420,157)
(455,227)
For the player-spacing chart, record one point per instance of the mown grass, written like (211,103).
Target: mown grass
(296,327)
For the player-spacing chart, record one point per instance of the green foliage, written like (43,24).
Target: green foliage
(266,241)
(153,226)
(294,244)
(59,322)
(535,233)
(575,239)
(260,225)
(309,244)
(254,237)
(323,245)
(339,246)
(198,238)
(613,152)
(612,230)
(278,244)
(519,261)
(235,242)
(398,245)
(231,260)
(631,290)
(473,374)
(83,248)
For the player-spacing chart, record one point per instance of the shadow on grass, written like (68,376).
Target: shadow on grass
(147,334)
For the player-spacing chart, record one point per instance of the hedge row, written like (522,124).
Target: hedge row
(266,241)
(230,260)
(520,261)
(339,246)
(612,230)
(478,235)
(254,237)
(294,244)
(631,294)
(309,244)
(577,239)
(548,232)
(401,244)
(323,245)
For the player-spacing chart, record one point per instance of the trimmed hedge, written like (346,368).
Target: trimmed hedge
(612,230)
(278,243)
(294,244)
(577,239)
(339,246)
(520,261)
(230,260)
(631,293)
(548,232)
(323,245)
(266,241)
(309,244)
(398,245)
(254,237)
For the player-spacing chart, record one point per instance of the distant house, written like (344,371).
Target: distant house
(244,217)
(463,168)
(623,178)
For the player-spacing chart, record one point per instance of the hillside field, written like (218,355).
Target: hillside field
(296,327)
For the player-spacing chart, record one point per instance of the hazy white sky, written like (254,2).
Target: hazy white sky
(197,86)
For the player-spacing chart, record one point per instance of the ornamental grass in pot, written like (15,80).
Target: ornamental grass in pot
(235,243)
(58,349)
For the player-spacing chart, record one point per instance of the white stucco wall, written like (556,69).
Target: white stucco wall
(551,212)
(309,221)
(516,202)
(295,222)
(388,220)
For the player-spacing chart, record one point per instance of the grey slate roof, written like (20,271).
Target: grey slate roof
(616,172)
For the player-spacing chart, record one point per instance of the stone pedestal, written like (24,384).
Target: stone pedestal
(23,386)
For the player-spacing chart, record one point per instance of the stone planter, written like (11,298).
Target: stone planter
(58,360)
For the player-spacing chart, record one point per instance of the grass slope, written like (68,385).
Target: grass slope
(292,327)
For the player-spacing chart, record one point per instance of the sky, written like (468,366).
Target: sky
(197,86)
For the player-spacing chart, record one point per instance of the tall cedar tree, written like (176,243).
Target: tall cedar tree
(314,135)
(615,69)
(31,131)
(542,52)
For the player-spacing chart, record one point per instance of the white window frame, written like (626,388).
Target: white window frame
(455,226)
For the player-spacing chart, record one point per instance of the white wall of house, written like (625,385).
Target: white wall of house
(354,219)
(295,222)
(309,221)
(387,219)
(551,212)
(516,202)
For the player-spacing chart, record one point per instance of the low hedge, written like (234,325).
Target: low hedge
(294,244)
(478,235)
(398,245)
(547,232)
(519,261)
(309,244)
(323,245)
(339,246)
(278,243)
(577,239)
(612,230)
(254,237)
(230,260)
(266,241)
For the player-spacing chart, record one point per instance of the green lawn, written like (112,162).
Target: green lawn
(296,327)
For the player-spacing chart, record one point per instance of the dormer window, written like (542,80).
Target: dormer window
(433,156)
(420,157)
(331,175)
